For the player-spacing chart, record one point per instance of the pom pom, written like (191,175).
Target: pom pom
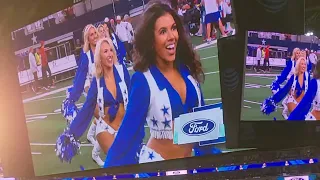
(67,146)
(268,106)
(69,110)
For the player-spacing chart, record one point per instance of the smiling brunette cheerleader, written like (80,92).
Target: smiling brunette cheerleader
(296,87)
(109,91)
(164,86)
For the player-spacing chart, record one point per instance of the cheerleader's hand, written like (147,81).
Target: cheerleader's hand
(275,91)
(274,86)
(69,110)
(268,106)
(67,146)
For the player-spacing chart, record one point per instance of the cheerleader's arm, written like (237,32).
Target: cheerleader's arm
(282,77)
(79,83)
(127,144)
(127,77)
(68,144)
(270,104)
(300,112)
(283,91)
(83,118)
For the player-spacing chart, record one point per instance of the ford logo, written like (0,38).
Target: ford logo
(198,127)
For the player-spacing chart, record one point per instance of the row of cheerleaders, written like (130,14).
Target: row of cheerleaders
(122,106)
(300,95)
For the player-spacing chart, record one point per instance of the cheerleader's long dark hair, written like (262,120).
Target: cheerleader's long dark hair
(144,54)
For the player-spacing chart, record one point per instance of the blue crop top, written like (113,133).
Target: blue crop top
(131,133)
(83,118)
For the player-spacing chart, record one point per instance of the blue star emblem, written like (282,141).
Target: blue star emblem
(100,108)
(106,127)
(151,156)
(165,110)
(166,123)
(100,100)
(125,92)
(126,100)
(155,122)
(100,122)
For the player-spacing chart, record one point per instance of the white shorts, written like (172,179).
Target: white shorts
(102,126)
(310,117)
(149,155)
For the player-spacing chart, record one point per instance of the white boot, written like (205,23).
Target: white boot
(285,111)
(95,154)
(92,133)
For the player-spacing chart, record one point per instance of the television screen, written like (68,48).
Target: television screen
(281,77)
(113,83)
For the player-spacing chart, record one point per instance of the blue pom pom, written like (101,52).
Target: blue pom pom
(69,110)
(268,106)
(67,146)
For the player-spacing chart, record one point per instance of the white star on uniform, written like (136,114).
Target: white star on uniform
(34,39)
(263,42)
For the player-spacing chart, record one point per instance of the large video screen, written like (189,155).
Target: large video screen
(113,83)
(281,77)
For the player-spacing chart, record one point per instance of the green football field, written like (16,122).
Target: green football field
(45,122)
(256,89)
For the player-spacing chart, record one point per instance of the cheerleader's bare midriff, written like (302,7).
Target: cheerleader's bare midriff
(115,124)
(168,150)
(291,105)
(316,114)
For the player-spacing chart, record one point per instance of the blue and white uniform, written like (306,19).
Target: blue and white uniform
(310,99)
(153,101)
(286,73)
(269,105)
(97,94)
(309,64)
(119,46)
(82,79)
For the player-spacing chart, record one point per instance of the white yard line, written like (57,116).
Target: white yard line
(46,94)
(36,153)
(56,97)
(213,99)
(45,114)
(262,75)
(209,57)
(204,45)
(247,107)
(49,144)
(258,103)
(208,73)
(36,117)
